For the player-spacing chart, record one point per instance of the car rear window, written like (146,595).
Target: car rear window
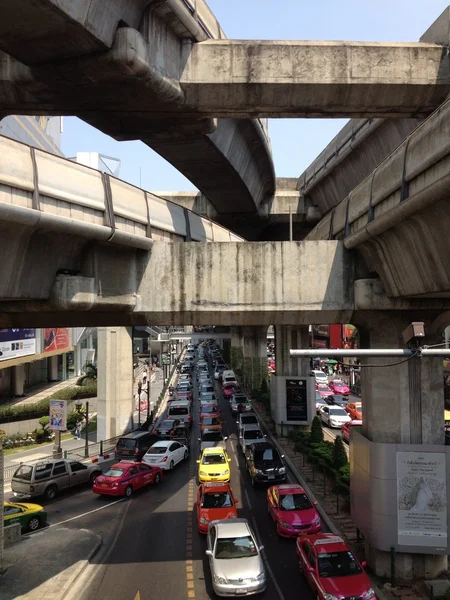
(157,450)
(178,410)
(253,434)
(213,436)
(248,420)
(126,443)
(114,473)
(229,379)
(24,472)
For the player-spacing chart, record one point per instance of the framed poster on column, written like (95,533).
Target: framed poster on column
(296,400)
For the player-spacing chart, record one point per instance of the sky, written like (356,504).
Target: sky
(295,142)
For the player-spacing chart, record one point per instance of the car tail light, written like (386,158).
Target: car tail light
(115,449)
(164,459)
(156,432)
(136,450)
(172,432)
(31,488)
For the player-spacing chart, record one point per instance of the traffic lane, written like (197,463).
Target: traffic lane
(149,554)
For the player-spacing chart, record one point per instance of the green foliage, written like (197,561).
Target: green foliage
(44,422)
(264,387)
(339,453)
(344,473)
(316,431)
(90,375)
(72,419)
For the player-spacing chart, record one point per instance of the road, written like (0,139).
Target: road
(158,551)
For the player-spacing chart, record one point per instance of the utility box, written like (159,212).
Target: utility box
(292,400)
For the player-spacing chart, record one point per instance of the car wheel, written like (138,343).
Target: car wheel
(94,476)
(51,492)
(186,455)
(172,464)
(128,491)
(33,524)
(157,479)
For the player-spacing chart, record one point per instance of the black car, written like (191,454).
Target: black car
(167,428)
(134,445)
(338,400)
(264,464)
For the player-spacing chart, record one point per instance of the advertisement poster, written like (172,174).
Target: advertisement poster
(17,342)
(56,338)
(422,499)
(58,415)
(296,400)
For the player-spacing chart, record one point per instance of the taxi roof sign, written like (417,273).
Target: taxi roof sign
(334,539)
(212,484)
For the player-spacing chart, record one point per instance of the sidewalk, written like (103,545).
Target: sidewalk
(39,392)
(45,565)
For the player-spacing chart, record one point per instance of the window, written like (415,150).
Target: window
(217,500)
(12,510)
(312,559)
(178,410)
(23,472)
(174,446)
(43,471)
(212,536)
(59,468)
(157,450)
(255,434)
(248,420)
(212,436)
(126,444)
(295,502)
(239,547)
(77,466)
(144,468)
(134,471)
(268,454)
(213,459)
(337,411)
(114,473)
(338,564)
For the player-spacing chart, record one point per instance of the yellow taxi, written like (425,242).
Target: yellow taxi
(214,465)
(30,516)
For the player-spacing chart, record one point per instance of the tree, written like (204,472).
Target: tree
(339,454)
(90,375)
(316,431)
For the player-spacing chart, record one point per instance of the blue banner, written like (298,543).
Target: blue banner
(17,342)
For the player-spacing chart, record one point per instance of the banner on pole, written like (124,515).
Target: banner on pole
(58,415)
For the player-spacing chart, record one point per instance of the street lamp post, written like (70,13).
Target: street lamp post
(148,398)
(139,403)
(86,443)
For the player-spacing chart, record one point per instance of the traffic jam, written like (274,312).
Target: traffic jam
(204,390)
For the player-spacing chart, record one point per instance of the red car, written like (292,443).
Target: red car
(184,395)
(209,410)
(331,568)
(339,387)
(323,390)
(291,509)
(125,477)
(228,390)
(346,429)
(214,501)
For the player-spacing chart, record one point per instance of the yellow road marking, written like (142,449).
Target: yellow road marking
(138,596)
(189,568)
(191,594)
(190,585)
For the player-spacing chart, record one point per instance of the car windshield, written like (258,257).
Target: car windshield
(253,435)
(157,450)
(166,424)
(217,500)
(210,421)
(114,473)
(24,472)
(339,398)
(178,410)
(337,411)
(230,382)
(213,459)
(266,454)
(127,443)
(240,547)
(249,419)
(295,502)
(208,397)
(323,387)
(338,382)
(338,564)
(209,409)
(207,388)
(242,399)
(213,436)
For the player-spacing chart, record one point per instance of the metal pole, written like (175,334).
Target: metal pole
(86,441)
(290,224)
(139,404)
(393,578)
(148,398)
(2,498)
(57,450)
(396,352)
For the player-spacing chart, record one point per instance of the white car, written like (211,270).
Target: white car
(165,454)
(319,376)
(333,416)
(250,434)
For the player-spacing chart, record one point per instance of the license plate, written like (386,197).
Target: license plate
(104,485)
(240,591)
(270,476)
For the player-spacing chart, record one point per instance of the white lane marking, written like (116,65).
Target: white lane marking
(90,512)
(247,497)
(236,460)
(266,562)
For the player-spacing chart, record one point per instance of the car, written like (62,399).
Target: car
(320,402)
(323,390)
(228,389)
(48,477)
(240,400)
(354,410)
(166,454)
(210,422)
(212,438)
(337,400)
(209,409)
(264,463)
(246,419)
(206,388)
(215,501)
(319,376)
(214,465)
(125,477)
(345,429)
(208,398)
(250,434)
(134,445)
(339,387)
(245,574)
(30,516)
(167,427)
(292,511)
(333,416)
(218,370)
(331,569)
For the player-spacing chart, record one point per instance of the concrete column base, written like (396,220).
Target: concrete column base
(408,567)
(17,380)
(52,368)
(283,429)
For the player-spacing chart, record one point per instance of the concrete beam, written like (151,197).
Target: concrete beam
(242,78)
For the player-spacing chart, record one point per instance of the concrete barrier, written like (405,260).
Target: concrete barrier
(12,534)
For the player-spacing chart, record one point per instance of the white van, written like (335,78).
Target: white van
(319,376)
(228,377)
(180,409)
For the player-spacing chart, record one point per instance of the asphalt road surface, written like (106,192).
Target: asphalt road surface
(158,553)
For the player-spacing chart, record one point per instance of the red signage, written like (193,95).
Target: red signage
(56,338)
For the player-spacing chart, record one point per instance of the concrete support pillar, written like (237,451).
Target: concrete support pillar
(237,351)
(17,380)
(402,404)
(255,356)
(115,381)
(291,337)
(52,368)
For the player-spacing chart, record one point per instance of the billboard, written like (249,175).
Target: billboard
(17,342)
(58,415)
(56,338)
(296,400)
